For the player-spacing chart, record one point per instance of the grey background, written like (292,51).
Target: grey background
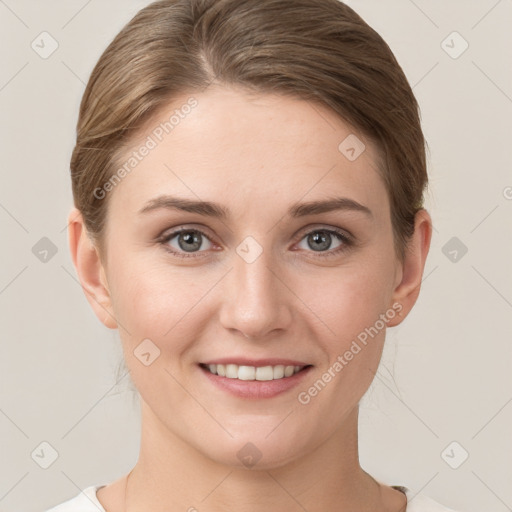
(445,372)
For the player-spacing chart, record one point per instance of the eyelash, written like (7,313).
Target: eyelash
(347,242)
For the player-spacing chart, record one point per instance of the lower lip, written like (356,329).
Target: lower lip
(256,388)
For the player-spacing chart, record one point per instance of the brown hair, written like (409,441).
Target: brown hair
(318,50)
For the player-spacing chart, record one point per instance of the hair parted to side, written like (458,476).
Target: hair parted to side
(316,50)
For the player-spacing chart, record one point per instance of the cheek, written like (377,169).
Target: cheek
(165,303)
(349,301)
(159,302)
(346,300)
(352,332)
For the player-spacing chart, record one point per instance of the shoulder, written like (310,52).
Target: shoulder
(418,502)
(86,501)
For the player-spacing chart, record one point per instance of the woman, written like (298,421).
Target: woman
(248,184)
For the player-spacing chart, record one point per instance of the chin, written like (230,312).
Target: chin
(253,452)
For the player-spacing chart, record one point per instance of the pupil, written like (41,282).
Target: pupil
(322,237)
(189,241)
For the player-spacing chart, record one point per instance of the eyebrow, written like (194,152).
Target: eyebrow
(216,210)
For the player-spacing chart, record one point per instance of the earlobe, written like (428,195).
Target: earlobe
(407,291)
(90,270)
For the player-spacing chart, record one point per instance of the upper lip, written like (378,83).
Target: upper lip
(243,361)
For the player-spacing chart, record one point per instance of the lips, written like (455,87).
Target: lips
(255,378)
(254,382)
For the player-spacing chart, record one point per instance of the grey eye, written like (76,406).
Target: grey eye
(188,240)
(320,240)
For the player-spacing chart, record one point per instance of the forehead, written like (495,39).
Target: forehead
(266,149)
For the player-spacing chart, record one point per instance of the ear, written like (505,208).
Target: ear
(408,283)
(90,269)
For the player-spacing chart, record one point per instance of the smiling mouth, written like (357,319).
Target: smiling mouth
(251,373)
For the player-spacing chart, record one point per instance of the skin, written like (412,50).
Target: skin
(256,154)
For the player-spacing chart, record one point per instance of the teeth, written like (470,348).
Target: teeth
(233,371)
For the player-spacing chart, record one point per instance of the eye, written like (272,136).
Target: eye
(321,241)
(191,242)
(187,240)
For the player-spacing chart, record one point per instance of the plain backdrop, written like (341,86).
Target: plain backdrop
(443,391)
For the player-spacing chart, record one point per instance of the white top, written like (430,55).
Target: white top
(87,501)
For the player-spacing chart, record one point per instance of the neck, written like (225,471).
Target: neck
(172,474)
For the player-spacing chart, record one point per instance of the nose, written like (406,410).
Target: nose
(255,301)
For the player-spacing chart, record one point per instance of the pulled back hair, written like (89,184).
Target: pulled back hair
(315,50)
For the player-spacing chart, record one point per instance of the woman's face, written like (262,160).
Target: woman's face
(267,282)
